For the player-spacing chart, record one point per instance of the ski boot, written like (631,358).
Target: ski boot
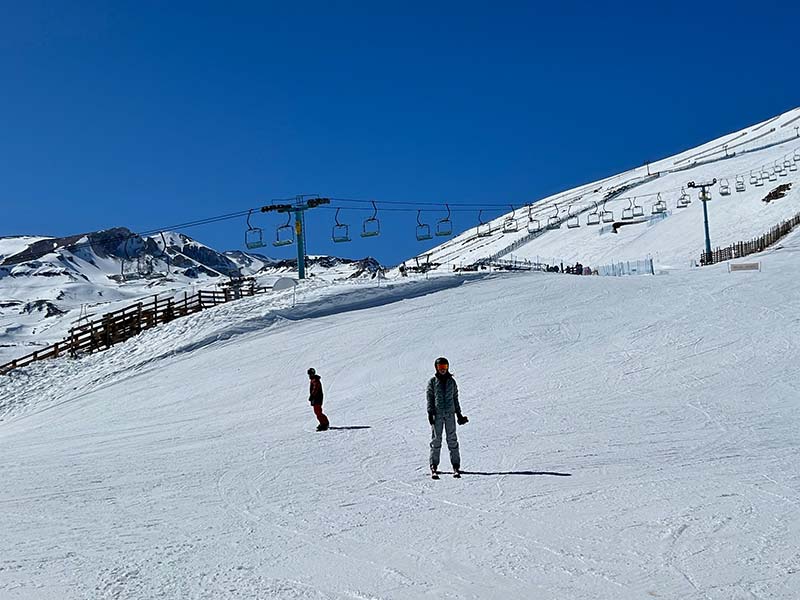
(434,472)
(457,472)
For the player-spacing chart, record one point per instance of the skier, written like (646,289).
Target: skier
(315,397)
(443,413)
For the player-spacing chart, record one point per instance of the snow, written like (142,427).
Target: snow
(628,438)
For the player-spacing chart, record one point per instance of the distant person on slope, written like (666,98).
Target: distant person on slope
(315,397)
(443,413)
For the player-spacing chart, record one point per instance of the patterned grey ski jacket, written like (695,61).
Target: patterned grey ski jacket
(442,395)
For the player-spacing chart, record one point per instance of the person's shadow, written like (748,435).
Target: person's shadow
(551,473)
(351,427)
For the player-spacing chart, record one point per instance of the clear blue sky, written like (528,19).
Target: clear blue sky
(145,114)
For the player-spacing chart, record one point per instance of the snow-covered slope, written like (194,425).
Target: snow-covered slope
(763,157)
(47,285)
(623,443)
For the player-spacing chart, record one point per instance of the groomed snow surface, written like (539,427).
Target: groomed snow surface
(628,438)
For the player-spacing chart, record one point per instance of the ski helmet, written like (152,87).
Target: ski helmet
(441,361)
(312,371)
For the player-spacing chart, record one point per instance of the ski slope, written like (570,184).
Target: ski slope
(629,438)
(675,238)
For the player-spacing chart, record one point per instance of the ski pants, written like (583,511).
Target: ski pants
(446,422)
(323,420)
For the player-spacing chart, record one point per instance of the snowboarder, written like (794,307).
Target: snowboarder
(315,397)
(444,412)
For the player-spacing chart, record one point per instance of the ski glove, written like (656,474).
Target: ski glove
(431,418)
(462,419)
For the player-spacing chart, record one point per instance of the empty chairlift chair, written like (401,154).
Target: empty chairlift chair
(284,235)
(638,210)
(607,216)
(740,186)
(552,221)
(444,227)
(660,207)
(724,188)
(341,231)
(572,220)
(483,229)
(593,218)
(510,223)
(780,170)
(534,225)
(423,230)
(753,178)
(627,213)
(371,226)
(773,176)
(254,236)
(684,199)
(794,161)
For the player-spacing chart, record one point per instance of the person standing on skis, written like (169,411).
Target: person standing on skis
(444,412)
(315,396)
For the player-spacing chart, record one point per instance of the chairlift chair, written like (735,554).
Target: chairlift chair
(794,161)
(510,224)
(740,186)
(773,176)
(796,156)
(659,207)
(552,221)
(684,199)
(787,164)
(782,168)
(760,180)
(593,218)
(778,167)
(423,230)
(533,224)
(638,210)
(444,227)
(341,231)
(483,229)
(284,235)
(627,213)
(753,178)
(572,220)
(371,226)
(724,188)
(254,236)
(607,216)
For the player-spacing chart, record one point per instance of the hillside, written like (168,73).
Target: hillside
(758,159)
(622,444)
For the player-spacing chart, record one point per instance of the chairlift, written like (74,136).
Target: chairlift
(423,230)
(510,224)
(341,231)
(659,207)
(444,227)
(534,225)
(593,218)
(254,236)
(572,221)
(553,222)
(483,229)
(371,226)
(684,199)
(638,210)
(724,188)
(627,213)
(284,234)
(607,216)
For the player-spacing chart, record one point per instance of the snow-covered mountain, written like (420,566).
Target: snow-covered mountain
(48,284)
(748,164)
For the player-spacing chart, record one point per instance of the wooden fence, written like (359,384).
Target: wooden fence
(740,249)
(120,325)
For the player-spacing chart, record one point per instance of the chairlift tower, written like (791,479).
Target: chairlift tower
(298,209)
(705,196)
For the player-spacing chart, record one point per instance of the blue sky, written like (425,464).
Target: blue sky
(147,114)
